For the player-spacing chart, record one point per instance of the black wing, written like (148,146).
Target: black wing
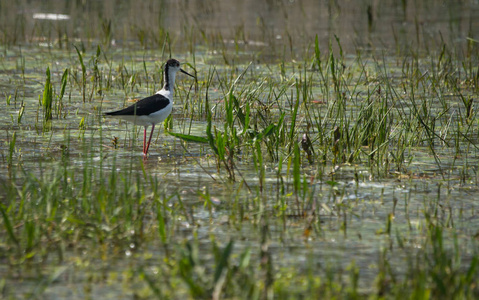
(143,107)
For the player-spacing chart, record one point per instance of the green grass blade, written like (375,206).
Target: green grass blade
(189,137)
(296,168)
(8,225)
(223,263)
(83,69)
(267,131)
(12,148)
(161,223)
(47,97)
(211,139)
(64,83)
(293,122)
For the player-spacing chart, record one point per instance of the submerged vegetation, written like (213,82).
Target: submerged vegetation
(290,168)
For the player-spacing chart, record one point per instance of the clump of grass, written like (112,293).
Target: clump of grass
(20,113)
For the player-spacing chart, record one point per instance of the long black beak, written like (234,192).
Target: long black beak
(183,71)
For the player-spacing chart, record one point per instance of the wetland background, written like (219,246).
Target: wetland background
(326,149)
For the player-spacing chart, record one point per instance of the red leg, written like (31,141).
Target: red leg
(151,134)
(144,140)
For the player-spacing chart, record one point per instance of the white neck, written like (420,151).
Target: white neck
(169,80)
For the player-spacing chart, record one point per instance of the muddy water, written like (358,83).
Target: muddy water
(370,25)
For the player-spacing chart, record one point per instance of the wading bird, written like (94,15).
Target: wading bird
(153,109)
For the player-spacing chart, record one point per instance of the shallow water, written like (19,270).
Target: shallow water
(361,24)
(338,218)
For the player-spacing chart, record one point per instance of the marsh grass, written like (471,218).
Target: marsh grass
(265,184)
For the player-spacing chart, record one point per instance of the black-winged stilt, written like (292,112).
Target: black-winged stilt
(153,109)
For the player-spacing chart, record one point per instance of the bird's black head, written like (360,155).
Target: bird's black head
(172,63)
